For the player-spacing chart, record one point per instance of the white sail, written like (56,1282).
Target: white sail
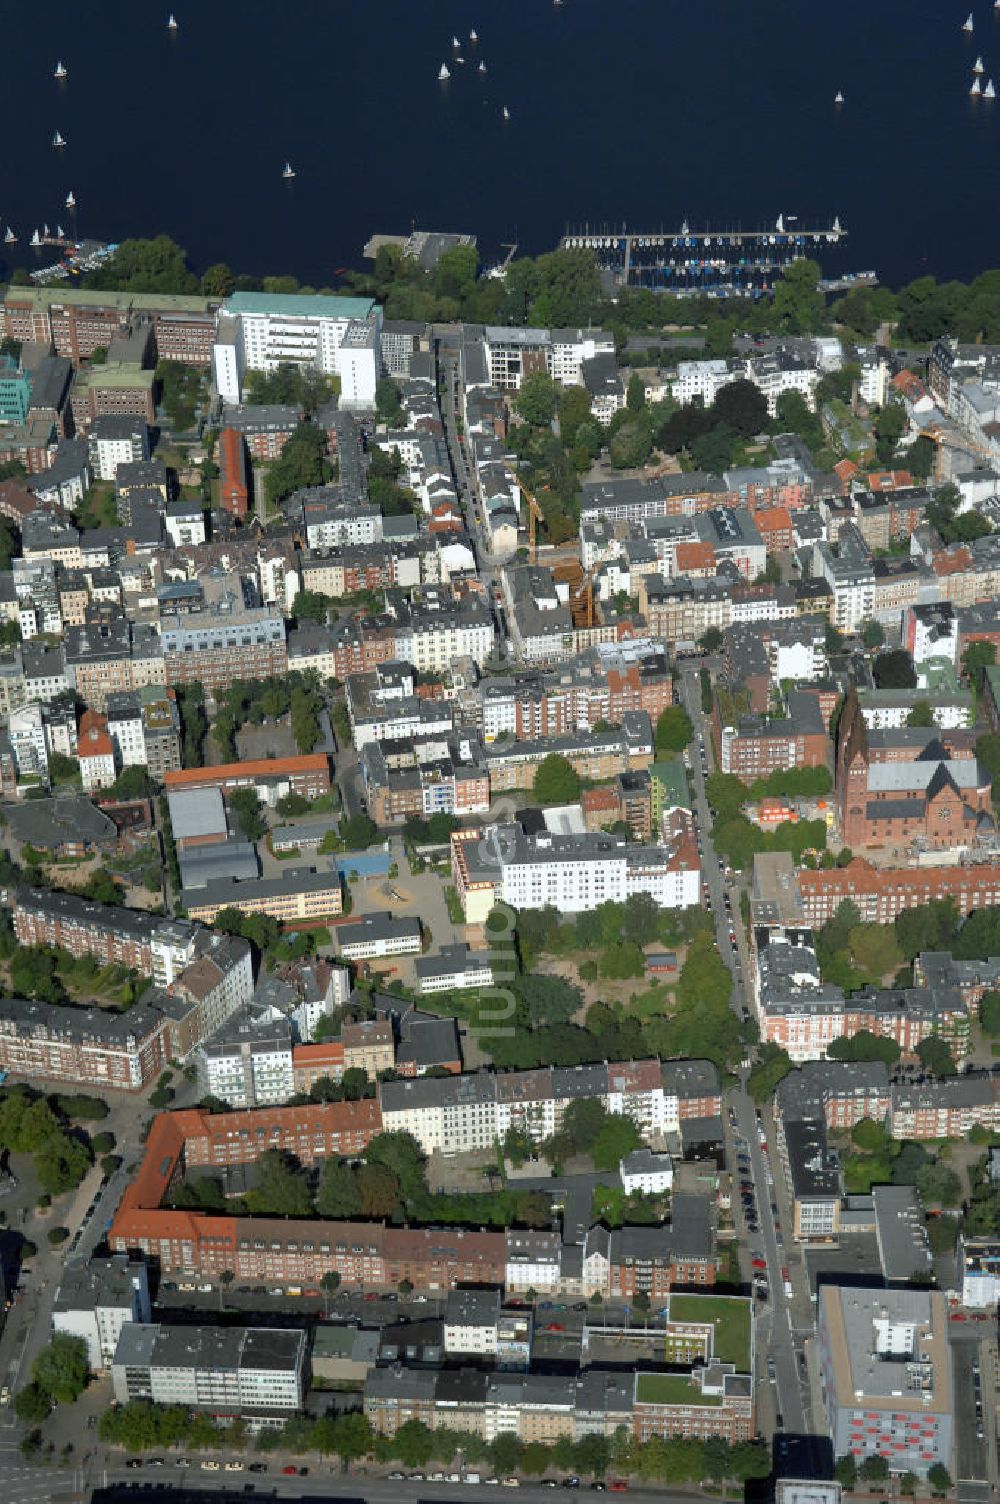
(288,171)
(71,200)
(455,43)
(977,66)
(473,35)
(444,72)
(838,98)
(506,113)
(60,70)
(58,140)
(482,67)
(171,22)
(975,87)
(968,24)
(989,92)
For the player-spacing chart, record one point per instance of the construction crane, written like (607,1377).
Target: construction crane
(943,438)
(535,515)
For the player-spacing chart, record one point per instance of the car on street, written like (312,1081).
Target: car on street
(234,1467)
(210,1465)
(290,1472)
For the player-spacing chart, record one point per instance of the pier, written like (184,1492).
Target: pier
(710,261)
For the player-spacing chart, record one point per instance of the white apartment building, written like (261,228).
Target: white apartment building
(701,380)
(228,359)
(341,524)
(124,714)
(434,639)
(225,1371)
(471,1319)
(979,1264)
(571,347)
(453,1113)
(26,730)
(297,328)
(96,1299)
(358,365)
(873,382)
(512,354)
(647,1173)
(774,374)
(255,1071)
(850,577)
(115,441)
(579,872)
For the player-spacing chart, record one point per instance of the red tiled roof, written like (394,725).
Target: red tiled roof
(313,762)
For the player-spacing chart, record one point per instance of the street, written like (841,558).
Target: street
(783,1397)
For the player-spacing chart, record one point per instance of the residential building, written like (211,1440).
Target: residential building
(886,1373)
(225,1371)
(96,1298)
(115,441)
(215,646)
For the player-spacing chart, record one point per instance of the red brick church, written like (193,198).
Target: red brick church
(895,787)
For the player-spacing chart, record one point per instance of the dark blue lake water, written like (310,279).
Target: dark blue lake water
(643,111)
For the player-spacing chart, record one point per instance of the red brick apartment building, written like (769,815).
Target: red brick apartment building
(76,321)
(883,892)
(112,935)
(234,490)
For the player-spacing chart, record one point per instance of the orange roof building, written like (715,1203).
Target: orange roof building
(95,751)
(308,775)
(695,558)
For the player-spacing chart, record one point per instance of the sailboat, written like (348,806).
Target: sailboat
(838,98)
(288,171)
(455,43)
(444,72)
(482,68)
(977,66)
(60,70)
(60,233)
(71,200)
(968,24)
(9,237)
(36,239)
(58,140)
(459,59)
(989,92)
(976,89)
(779,224)
(473,35)
(171,22)
(506,113)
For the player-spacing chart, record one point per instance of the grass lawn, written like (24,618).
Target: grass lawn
(731,1315)
(671,1389)
(98,508)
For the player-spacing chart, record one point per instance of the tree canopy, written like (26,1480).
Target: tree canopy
(673,729)
(556,780)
